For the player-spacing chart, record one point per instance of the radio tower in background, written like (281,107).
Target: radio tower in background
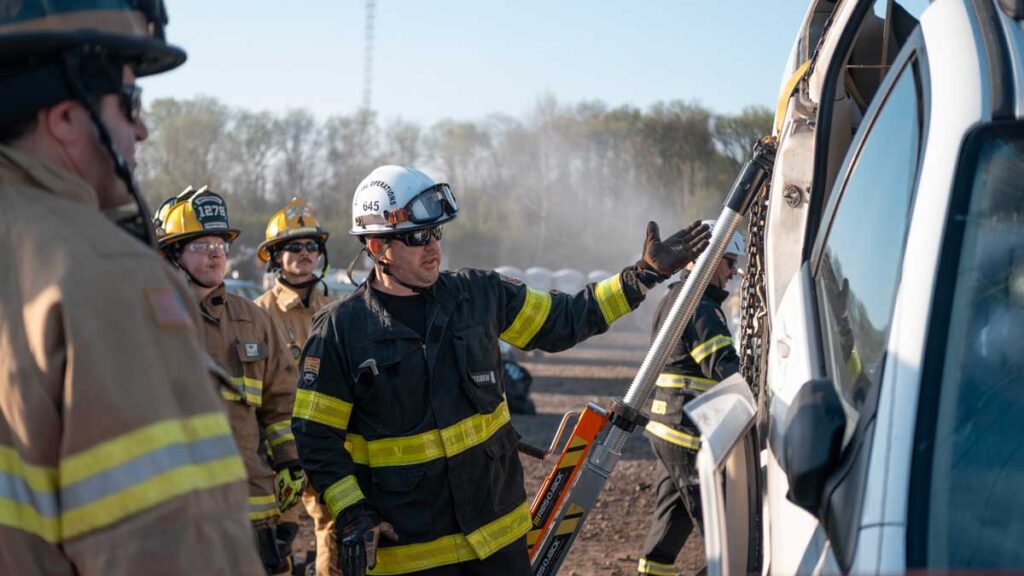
(371,7)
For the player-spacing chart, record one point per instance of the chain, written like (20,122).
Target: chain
(753,301)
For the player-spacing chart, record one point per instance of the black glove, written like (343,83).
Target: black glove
(668,256)
(358,543)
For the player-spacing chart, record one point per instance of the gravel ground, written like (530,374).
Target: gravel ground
(595,371)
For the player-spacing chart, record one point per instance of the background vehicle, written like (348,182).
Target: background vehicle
(884,308)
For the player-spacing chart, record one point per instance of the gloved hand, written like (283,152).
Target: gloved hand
(358,544)
(668,256)
(290,483)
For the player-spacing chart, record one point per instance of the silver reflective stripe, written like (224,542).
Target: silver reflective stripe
(16,489)
(145,467)
(278,433)
(258,508)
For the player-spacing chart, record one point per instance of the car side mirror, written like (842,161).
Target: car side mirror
(813,439)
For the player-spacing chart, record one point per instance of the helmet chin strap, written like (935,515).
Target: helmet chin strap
(308,283)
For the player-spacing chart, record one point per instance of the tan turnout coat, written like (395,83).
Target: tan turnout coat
(115,454)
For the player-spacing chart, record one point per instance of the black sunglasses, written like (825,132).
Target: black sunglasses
(296,247)
(130,97)
(418,237)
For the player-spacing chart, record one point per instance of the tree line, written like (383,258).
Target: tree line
(568,185)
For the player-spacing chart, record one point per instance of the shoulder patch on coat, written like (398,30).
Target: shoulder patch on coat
(310,369)
(168,308)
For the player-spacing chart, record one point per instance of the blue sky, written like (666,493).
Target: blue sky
(439,59)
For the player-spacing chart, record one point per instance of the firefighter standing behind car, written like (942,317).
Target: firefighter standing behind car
(400,416)
(115,454)
(194,235)
(701,358)
(294,244)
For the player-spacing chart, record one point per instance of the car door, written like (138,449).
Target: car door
(834,320)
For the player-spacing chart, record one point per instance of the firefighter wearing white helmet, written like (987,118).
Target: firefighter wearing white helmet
(400,417)
(294,244)
(703,356)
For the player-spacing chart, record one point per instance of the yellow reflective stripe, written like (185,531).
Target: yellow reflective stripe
(787,90)
(678,381)
(655,568)
(611,299)
(342,494)
(674,436)
(230,395)
(454,548)
(710,347)
(279,433)
(430,445)
(322,409)
(262,507)
(120,477)
(28,499)
(251,388)
(529,320)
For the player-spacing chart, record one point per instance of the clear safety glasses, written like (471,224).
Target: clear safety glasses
(210,247)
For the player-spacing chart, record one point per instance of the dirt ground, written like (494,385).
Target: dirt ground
(595,371)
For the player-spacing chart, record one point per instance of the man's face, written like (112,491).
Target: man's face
(299,264)
(726,271)
(414,265)
(87,155)
(206,259)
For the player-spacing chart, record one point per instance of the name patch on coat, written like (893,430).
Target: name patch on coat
(484,377)
(310,369)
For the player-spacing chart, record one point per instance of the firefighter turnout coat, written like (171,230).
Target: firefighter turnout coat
(244,340)
(115,453)
(293,318)
(701,358)
(419,431)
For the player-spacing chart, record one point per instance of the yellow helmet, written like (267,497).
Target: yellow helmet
(190,215)
(295,220)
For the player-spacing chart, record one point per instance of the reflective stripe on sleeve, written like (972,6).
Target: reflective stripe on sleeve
(145,468)
(611,299)
(280,433)
(118,478)
(529,320)
(430,445)
(455,548)
(708,348)
(28,499)
(262,507)
(655,568)
(342,494)
(322,409)
(669,434)
(678,381)
(251,388)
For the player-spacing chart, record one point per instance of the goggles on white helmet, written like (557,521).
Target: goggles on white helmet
(427,207)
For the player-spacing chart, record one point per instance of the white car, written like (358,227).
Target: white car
(891,435)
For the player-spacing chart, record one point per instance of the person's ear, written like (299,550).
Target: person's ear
(64,121)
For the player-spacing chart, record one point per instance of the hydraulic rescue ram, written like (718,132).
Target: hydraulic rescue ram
(591,452)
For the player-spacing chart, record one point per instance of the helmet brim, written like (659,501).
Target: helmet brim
(170,240)
(147,56)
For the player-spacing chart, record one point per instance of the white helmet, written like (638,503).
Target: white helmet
(737,246)
(400,199)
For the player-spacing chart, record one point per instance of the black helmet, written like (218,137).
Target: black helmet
(50,50)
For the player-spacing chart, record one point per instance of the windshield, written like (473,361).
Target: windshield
(967,507)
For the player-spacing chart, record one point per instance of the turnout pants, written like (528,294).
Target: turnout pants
(677,509)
